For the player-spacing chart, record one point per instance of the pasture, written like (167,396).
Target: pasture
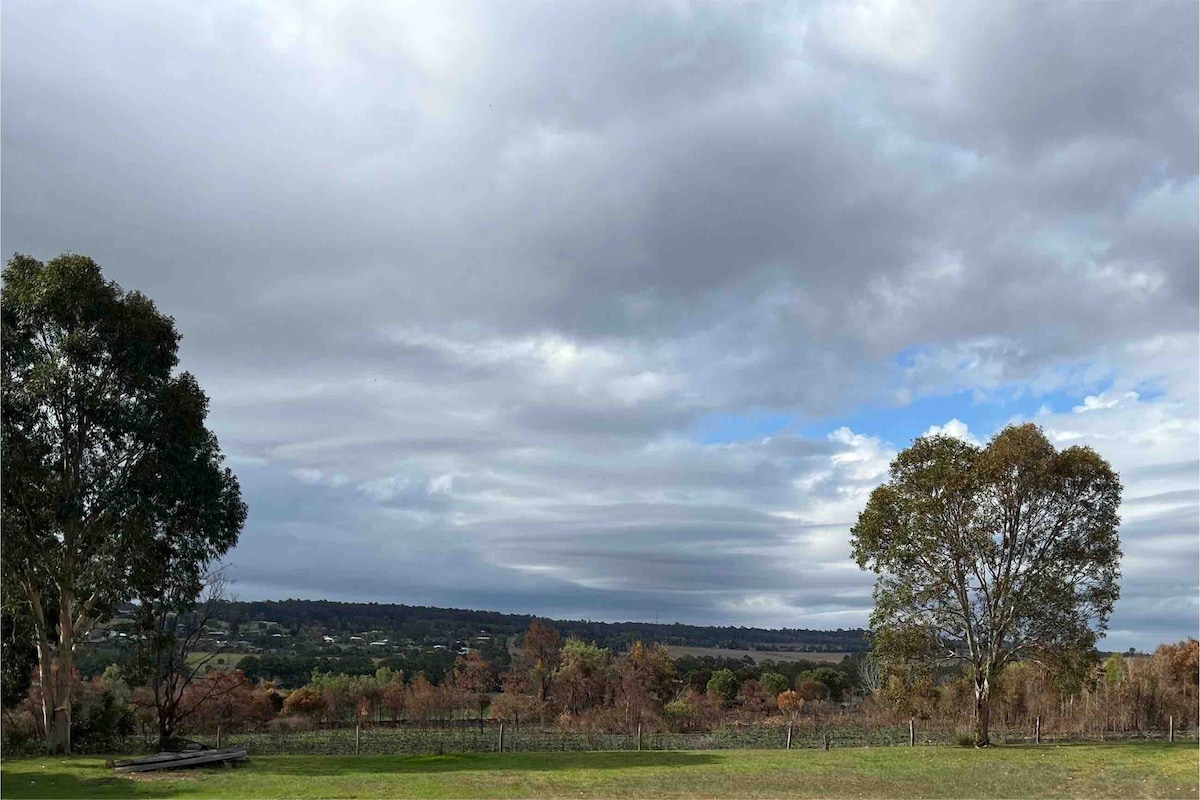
(224,660)
(759,656)
(1127,770)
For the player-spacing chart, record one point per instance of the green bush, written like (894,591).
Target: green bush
(724,684)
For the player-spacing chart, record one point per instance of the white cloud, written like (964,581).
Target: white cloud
(956,428)
(529,251)
(1106,400)
(308,475)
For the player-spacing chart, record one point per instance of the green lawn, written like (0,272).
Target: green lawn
(1124,770)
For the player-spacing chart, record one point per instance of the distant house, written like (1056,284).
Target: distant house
(329,640)
(356,638)
(380,643)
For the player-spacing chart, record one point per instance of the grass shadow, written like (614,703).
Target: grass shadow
(82,780)
(77,777)
(491,762)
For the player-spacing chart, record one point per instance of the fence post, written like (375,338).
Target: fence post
(357,732)
(912,732)
(1037,730)
(1171,728)
(788,746)
(500,743)
(639,737)
(218,736)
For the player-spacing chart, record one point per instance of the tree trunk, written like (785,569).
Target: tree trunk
(165,732)
(982,712)
(56,702)
(55,666)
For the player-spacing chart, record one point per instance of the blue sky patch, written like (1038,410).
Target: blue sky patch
(727,428)
(901,424)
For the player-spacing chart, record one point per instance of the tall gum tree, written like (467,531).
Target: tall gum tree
(108,465)
(986,556)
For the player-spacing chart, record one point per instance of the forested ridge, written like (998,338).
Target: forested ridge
(428,624)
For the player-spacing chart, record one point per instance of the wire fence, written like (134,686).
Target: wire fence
(533,738)
(528,739)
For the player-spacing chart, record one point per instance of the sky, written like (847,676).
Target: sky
(619,311)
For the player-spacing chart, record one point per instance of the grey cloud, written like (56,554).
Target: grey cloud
(480,271)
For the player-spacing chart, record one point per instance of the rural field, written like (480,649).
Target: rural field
(1142,770)
(759,656)
(225,661)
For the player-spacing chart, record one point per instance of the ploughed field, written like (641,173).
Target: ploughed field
(1124,770)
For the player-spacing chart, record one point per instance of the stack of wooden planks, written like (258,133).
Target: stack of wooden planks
(226,757)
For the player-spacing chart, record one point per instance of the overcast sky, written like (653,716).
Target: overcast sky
(619,310)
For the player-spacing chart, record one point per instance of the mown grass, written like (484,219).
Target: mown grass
(1126,770)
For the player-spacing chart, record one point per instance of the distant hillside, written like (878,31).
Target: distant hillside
(428,625)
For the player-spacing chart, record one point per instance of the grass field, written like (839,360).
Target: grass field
(759,656)
(1142,770)
(231,659)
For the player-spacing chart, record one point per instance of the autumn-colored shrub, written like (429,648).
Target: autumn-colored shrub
(304,702)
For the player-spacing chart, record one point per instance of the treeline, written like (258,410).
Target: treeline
(430,625)
(1120,693)
(291,671)
(573,685)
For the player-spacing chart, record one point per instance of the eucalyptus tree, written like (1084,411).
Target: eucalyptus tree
(990,555)
(108,465)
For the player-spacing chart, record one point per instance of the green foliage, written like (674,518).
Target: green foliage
(991,555)
(582,676)
(18,656)
(773,683)
(295,671)
(101,717)
(835,681)
(1114,669)
(426,625)
(113,488)
(679,715)
(724,684)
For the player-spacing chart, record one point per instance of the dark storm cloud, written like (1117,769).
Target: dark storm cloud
(463,280)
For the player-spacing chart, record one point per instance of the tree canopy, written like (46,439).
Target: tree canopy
(987,555)
(113,486)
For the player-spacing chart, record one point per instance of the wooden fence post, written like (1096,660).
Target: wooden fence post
(500,743)
(218,736)
(1037,730)
(639,737)
(1171,728)
(357,732)
(788,746)
(912,732)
